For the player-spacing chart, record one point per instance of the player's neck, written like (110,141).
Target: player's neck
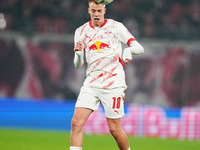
(98,25)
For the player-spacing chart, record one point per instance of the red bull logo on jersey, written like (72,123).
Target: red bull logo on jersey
(98,46)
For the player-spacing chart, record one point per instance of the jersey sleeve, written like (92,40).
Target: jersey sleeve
(78,56)
(77,36)
(124,35)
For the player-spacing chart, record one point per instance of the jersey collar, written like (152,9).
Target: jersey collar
(90,23)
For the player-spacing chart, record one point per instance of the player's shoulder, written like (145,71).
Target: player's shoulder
(114,22)
(82,27)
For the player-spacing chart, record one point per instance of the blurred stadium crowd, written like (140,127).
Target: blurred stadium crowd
(145,18)
(166,74)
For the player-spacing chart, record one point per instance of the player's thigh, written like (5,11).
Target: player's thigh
(114,124)
(88,100)
(80,116)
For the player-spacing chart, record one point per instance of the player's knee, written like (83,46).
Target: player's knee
(113,130)
(76,123)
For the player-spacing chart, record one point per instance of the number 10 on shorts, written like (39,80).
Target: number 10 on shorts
(116,102)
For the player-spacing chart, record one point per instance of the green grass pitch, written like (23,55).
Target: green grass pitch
(48,140)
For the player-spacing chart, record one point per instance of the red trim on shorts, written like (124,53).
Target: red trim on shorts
(123,97)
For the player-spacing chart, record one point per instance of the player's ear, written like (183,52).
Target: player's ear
(104,10)
(88,10)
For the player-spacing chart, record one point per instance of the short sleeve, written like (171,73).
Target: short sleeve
(124,35)
(77,36)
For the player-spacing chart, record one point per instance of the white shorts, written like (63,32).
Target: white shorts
(111,99)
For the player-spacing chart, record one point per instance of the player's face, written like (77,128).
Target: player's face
(97,12)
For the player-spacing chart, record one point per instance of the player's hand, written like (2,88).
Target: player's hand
(78,46)
(127,61)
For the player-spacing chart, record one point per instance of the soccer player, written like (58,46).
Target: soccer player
(100,39)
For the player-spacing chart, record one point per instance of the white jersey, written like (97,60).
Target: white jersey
(103,51)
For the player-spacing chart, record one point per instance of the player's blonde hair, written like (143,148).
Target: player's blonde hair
(93,1)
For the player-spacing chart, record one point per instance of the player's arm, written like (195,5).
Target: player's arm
(134,49)
(78,49)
